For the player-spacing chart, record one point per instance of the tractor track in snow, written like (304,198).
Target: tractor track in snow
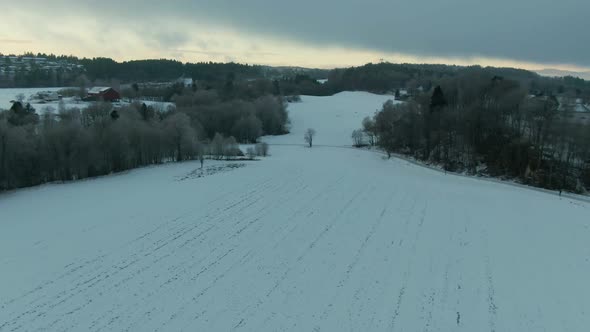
(92,273)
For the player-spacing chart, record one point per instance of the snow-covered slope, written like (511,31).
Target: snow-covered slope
(322,239)
(334,118)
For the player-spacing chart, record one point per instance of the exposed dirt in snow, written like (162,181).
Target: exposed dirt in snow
(210,170)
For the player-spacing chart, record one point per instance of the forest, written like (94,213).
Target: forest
(386,78)
(69,70)
(485,124)
(70,144)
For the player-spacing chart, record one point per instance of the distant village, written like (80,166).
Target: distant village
(12,66)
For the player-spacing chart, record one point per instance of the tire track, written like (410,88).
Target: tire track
(41,310)
(406,275)
(278,282)
(359,252)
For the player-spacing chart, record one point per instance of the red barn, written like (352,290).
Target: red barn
(103,93)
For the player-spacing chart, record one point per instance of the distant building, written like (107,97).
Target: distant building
(103,93)
(402,95)
(186,82)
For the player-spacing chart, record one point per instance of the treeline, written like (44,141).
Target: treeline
(70,144)
(108,70)
(378,78)
(416,78)
(163,70)
(78,144)
(38,76)
(479,123)
(227,89)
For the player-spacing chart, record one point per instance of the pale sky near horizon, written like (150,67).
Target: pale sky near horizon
(313,33)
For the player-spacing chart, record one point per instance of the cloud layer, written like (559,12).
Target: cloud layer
(517,31)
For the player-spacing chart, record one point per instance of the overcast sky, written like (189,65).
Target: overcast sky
(323,33)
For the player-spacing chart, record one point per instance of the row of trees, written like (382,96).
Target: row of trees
(230,89)
(106,70)
(246,120)
(476,121)
(70,144)
(388,77)
(162,70)
(78,144)
(379,78)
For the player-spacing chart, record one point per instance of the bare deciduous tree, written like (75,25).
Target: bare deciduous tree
(217,146)
(230,148)
(357,138)
(262,149)
(369,129)
(182,135)
(251,153)
(309,135)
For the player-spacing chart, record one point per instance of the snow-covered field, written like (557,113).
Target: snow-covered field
(322,239)
(333,118)
(10,94)
(7,95)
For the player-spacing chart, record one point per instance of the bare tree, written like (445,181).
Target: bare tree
(247,129)
(218,146)
(262,149)
(357,138)
(251,153)
(82,83)
(231,148)
(309,135)
(369,129)
(181,136)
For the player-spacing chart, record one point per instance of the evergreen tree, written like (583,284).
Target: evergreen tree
(438,100)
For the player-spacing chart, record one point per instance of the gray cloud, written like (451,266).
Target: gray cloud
(544,31)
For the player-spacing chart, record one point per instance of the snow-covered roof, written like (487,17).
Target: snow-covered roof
(98,89)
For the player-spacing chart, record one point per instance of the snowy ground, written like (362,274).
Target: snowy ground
(8,95)
(322,239)
(333,118)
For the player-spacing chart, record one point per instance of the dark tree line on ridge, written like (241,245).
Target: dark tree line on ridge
(479,123)
(378,78)
(388,77)
(103,70)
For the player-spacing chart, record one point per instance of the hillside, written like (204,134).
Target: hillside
(323,239)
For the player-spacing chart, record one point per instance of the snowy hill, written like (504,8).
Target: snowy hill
(560,73)
(322,239)
(334,118)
